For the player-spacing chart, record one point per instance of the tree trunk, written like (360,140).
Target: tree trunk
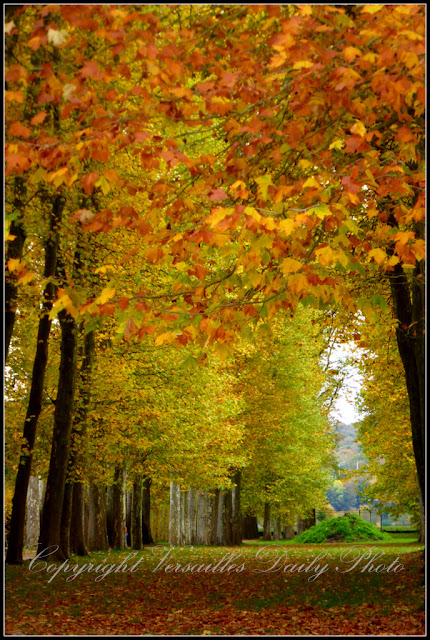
(202,517)
(184,528)
(422,535)
(77,528)
(214,517)
(32,520)
(14,252)
(237,516)
(212,500)
(17,522)
(82,401)
(192,514)
(115,519)
(175,514)
(136,514)
(146,512)
(267,522)
(227,518)
(97,517)
(128,518)
(277,529)
(249,527)
(52,508)
(409,303)
(288,532)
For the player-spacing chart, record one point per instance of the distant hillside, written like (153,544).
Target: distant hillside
(348,451)
(343,494)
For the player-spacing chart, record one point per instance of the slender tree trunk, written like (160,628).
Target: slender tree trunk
(288,532)
(267,522)
(175,514)
(128,518)
(32,519)
(146,512)
(408,297)
(277,529)
(83,396)
(17,522)
(408,303)
(97,517)
(227,519)
(237,516)
(249,527)
(202,517)
(77,528)
(116,521)
(211,517)
(214,517)
(192,511)
(136,514)
(13,252)
(422,535)
(184,528)
(50,529)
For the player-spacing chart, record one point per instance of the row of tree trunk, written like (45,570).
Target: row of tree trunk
(205,517)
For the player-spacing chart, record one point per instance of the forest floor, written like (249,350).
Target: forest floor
(256,589)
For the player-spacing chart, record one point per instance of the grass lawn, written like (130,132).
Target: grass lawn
(277,588)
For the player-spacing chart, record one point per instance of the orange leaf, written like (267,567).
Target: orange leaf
(18,129)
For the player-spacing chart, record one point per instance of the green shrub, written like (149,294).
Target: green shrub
(347,528)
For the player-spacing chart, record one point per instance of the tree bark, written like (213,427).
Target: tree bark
(408,303)
(214,517)
(136,514)
(83,396)
(17,522)
(175,514)
(115,519)
(288,532)
(146,512)
(50,528)
(227,518)
(202,517)
(249,527)
(192,514)
(97,518)
(237,516)
(128,518)
(13,252)
(267,522)
(277,529)
(77,523)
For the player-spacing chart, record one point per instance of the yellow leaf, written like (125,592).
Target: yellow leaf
(349,53)
(26,278)
(393,261)
(321,211)
(325,255)
(287,226)
(105,268)
(303,64)
(358,128)
(106,294)
(250,211)
(378,255)
(311,182)
(305,164)
(289,265)
(13,263)
(337,144)
(372,8)
(218,214)
(297,283)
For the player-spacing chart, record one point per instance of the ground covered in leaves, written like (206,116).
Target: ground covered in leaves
(261,589)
